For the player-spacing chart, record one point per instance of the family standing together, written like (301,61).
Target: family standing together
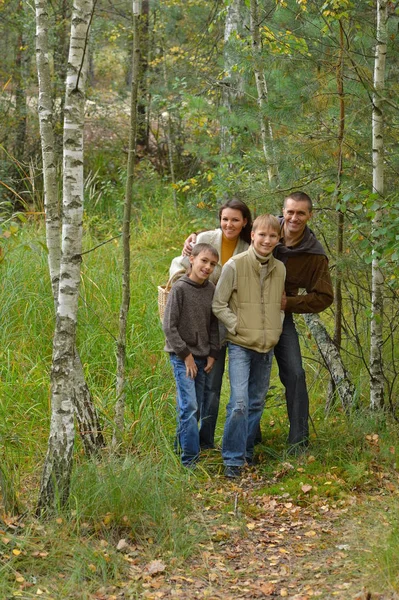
(244,282)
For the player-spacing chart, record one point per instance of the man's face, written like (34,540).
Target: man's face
(296,214)
(264,240)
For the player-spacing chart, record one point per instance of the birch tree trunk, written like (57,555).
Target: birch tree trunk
(230,82)
(86,414)
(332,359)
(54,490)
(261,87)
(124,309)
(340,214)
(377,304)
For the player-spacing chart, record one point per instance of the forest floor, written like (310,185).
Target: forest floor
(250,538)
(269,546)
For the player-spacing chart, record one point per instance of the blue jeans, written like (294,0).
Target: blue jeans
(190,394)
(249,373)
(292,376)
(210,407)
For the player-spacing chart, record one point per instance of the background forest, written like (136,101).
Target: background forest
(253,98)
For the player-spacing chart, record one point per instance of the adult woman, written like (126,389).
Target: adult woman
(233,237)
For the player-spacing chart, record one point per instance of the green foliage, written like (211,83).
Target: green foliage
(138,497)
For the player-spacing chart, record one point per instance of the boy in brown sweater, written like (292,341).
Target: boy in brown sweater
(192,340)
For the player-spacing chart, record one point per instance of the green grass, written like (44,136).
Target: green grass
(143,494)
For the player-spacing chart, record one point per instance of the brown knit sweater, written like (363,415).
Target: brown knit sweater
(189,324)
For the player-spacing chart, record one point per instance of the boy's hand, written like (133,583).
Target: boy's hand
(209,364)
(191,367)
(188,244)
(283,301)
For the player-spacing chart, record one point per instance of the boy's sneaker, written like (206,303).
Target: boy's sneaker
(232,472)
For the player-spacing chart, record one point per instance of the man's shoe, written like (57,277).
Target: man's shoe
(251,461)
(232,472)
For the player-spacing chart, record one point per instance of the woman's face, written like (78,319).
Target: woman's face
(232,222)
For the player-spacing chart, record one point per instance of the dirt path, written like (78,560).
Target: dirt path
(267,547)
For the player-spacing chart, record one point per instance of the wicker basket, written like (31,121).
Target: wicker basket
(163,292)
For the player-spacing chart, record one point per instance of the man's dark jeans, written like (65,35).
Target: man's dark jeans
(292,376)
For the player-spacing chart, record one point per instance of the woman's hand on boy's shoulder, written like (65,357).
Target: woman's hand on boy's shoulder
(188,244)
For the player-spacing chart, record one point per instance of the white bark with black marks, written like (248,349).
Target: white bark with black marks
(86,414)
(266,130)
(377,294)
(332,360)
(56,477)
(231,80)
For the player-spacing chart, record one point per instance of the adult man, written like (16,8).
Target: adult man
(308,289)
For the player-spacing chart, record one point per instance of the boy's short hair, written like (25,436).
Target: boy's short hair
(202,247)
(267,221)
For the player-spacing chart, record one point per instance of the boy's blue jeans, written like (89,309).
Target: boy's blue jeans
(190,394)
(249,374)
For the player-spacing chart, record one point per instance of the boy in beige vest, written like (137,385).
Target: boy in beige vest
(248,302)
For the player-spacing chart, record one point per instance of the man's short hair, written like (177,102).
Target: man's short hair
(300,197)
(267,221)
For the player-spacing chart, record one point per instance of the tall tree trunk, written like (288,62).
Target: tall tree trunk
(60,69)
(230,82)
(332,359)
(124,309)
(167,127)
(340,168)
(142,107)
(55,484)
(377,299)
(340,215)
(261,87)
(20,89)
(88,422)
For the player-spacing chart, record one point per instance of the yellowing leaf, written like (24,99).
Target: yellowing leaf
(107,519)
(16,552)
(267,589)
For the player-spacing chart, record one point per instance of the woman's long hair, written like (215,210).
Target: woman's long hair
(237,204)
